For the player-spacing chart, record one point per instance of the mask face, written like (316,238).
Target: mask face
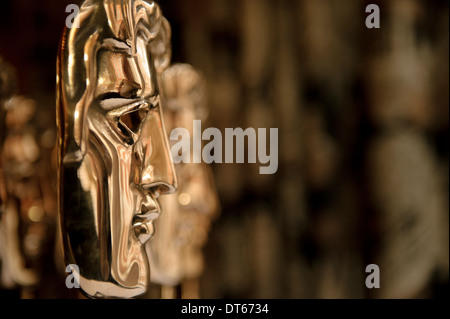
(114,155)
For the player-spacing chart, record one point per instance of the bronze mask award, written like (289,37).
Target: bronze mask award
(113,155)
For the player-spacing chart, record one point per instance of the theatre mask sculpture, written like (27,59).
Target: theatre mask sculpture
(114,157)
(176,251)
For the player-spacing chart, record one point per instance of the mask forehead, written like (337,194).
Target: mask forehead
(139,25)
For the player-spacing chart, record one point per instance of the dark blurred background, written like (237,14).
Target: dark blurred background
(363,137)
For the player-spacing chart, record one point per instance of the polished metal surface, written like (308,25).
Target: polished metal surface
(114,159)
(175,252)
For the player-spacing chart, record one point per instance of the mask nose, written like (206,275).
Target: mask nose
(157,172)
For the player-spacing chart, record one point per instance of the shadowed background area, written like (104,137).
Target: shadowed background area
(363,123)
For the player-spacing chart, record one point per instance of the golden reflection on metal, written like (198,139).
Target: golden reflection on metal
(114,160)
(176,250)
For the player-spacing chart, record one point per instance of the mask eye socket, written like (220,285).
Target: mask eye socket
(131,122)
